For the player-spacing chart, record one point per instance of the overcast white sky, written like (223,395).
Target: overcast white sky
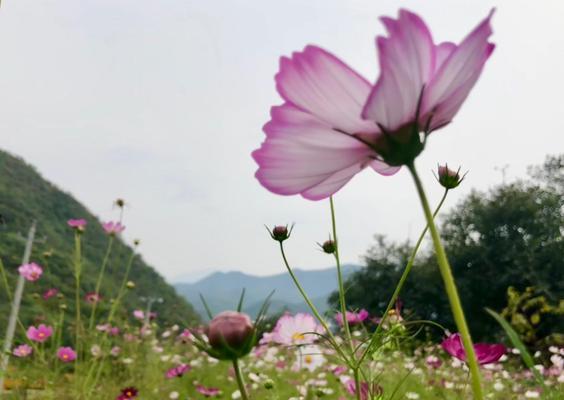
(161,103)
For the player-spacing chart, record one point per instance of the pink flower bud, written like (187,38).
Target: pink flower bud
(230,329)
(448,178)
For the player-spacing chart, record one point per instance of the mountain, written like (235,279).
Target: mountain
(25,196)
(223,289)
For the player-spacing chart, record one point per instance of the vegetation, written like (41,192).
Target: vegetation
(24,197)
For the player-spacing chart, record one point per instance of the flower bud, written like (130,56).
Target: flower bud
(120,203)
(329,246)
(130,284)
(280,232)
(231,334)
(269,384)
(448,178)
(136,242)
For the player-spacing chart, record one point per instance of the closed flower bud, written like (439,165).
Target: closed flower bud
(269,384)
(136,242)
(120,203)
(231,334)
(448,178)
(130,284)
(63,306)
(280,233)
(329,246)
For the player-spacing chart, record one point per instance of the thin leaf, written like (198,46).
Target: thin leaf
(240,305)
(208,311)
(517,343)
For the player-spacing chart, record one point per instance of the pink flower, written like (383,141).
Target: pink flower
(50,293)
(312,144)
(115,351)
(333,123)
(77,224)
(178,371)
(296,330)
(353,318)
(39,334)
(433,361)
(230,328)
(23,350)
(486,353)
(113,228)
(422,85)
(92,297)
(31,272)
(207,391)
(138,314)
(367,391)
(66,354)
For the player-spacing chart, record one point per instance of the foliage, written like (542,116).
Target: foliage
(509,236)
(25,196)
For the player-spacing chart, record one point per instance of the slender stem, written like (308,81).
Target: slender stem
(401,281)
(77,273)
(99,281)
(122,287)
(451,290)
(342,300)
(312,307)
(240,382)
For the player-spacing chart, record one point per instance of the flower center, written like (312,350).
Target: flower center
(308,359)
(298,336)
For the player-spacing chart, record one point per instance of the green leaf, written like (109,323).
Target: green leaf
(517,343)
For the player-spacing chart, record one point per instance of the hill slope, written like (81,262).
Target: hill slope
(26,196)
(222,290)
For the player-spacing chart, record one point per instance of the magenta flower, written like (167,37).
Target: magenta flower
(139,314)
(178,371)
(92,297)
(207,391)
(353,318)
(486,353)
(50,293)
(66,354)
(128,393)
(31,272)
(366,390)
(77,224)
(422,85)
(113,228)
(39,334)
(23,350)
(333,123)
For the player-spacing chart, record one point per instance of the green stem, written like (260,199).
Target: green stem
(313,309)
(401,282)
(99,281)
(240,382)
(342,299)
(451,290)
(77,273)
(122,287)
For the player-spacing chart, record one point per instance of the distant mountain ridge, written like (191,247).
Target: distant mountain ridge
(222,290)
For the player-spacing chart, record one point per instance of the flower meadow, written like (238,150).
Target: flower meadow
(332,124)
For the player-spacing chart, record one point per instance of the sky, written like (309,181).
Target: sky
(162,102)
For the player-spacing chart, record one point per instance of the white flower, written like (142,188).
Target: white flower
(173,395)
(236,394)
(309,357)
(411,395)
(532,394)
(498,386)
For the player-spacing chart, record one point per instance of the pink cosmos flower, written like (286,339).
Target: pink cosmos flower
(128,393)
(334,123)
(23,350)
(422,85)
(50,293)
(296,330)
(39,334)
(66,354)
(31,272)
(486,353)
(230,328)
(178,371)
(115,351)
(92,297)
(208,391)
(113,228)
(366,390)
(139,314)
(78,224)
(353,318)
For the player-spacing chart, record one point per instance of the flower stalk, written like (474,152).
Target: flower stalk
(450,287)
(99,281)
(77,273)
(240,381)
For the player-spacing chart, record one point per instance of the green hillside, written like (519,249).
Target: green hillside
(25,196)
